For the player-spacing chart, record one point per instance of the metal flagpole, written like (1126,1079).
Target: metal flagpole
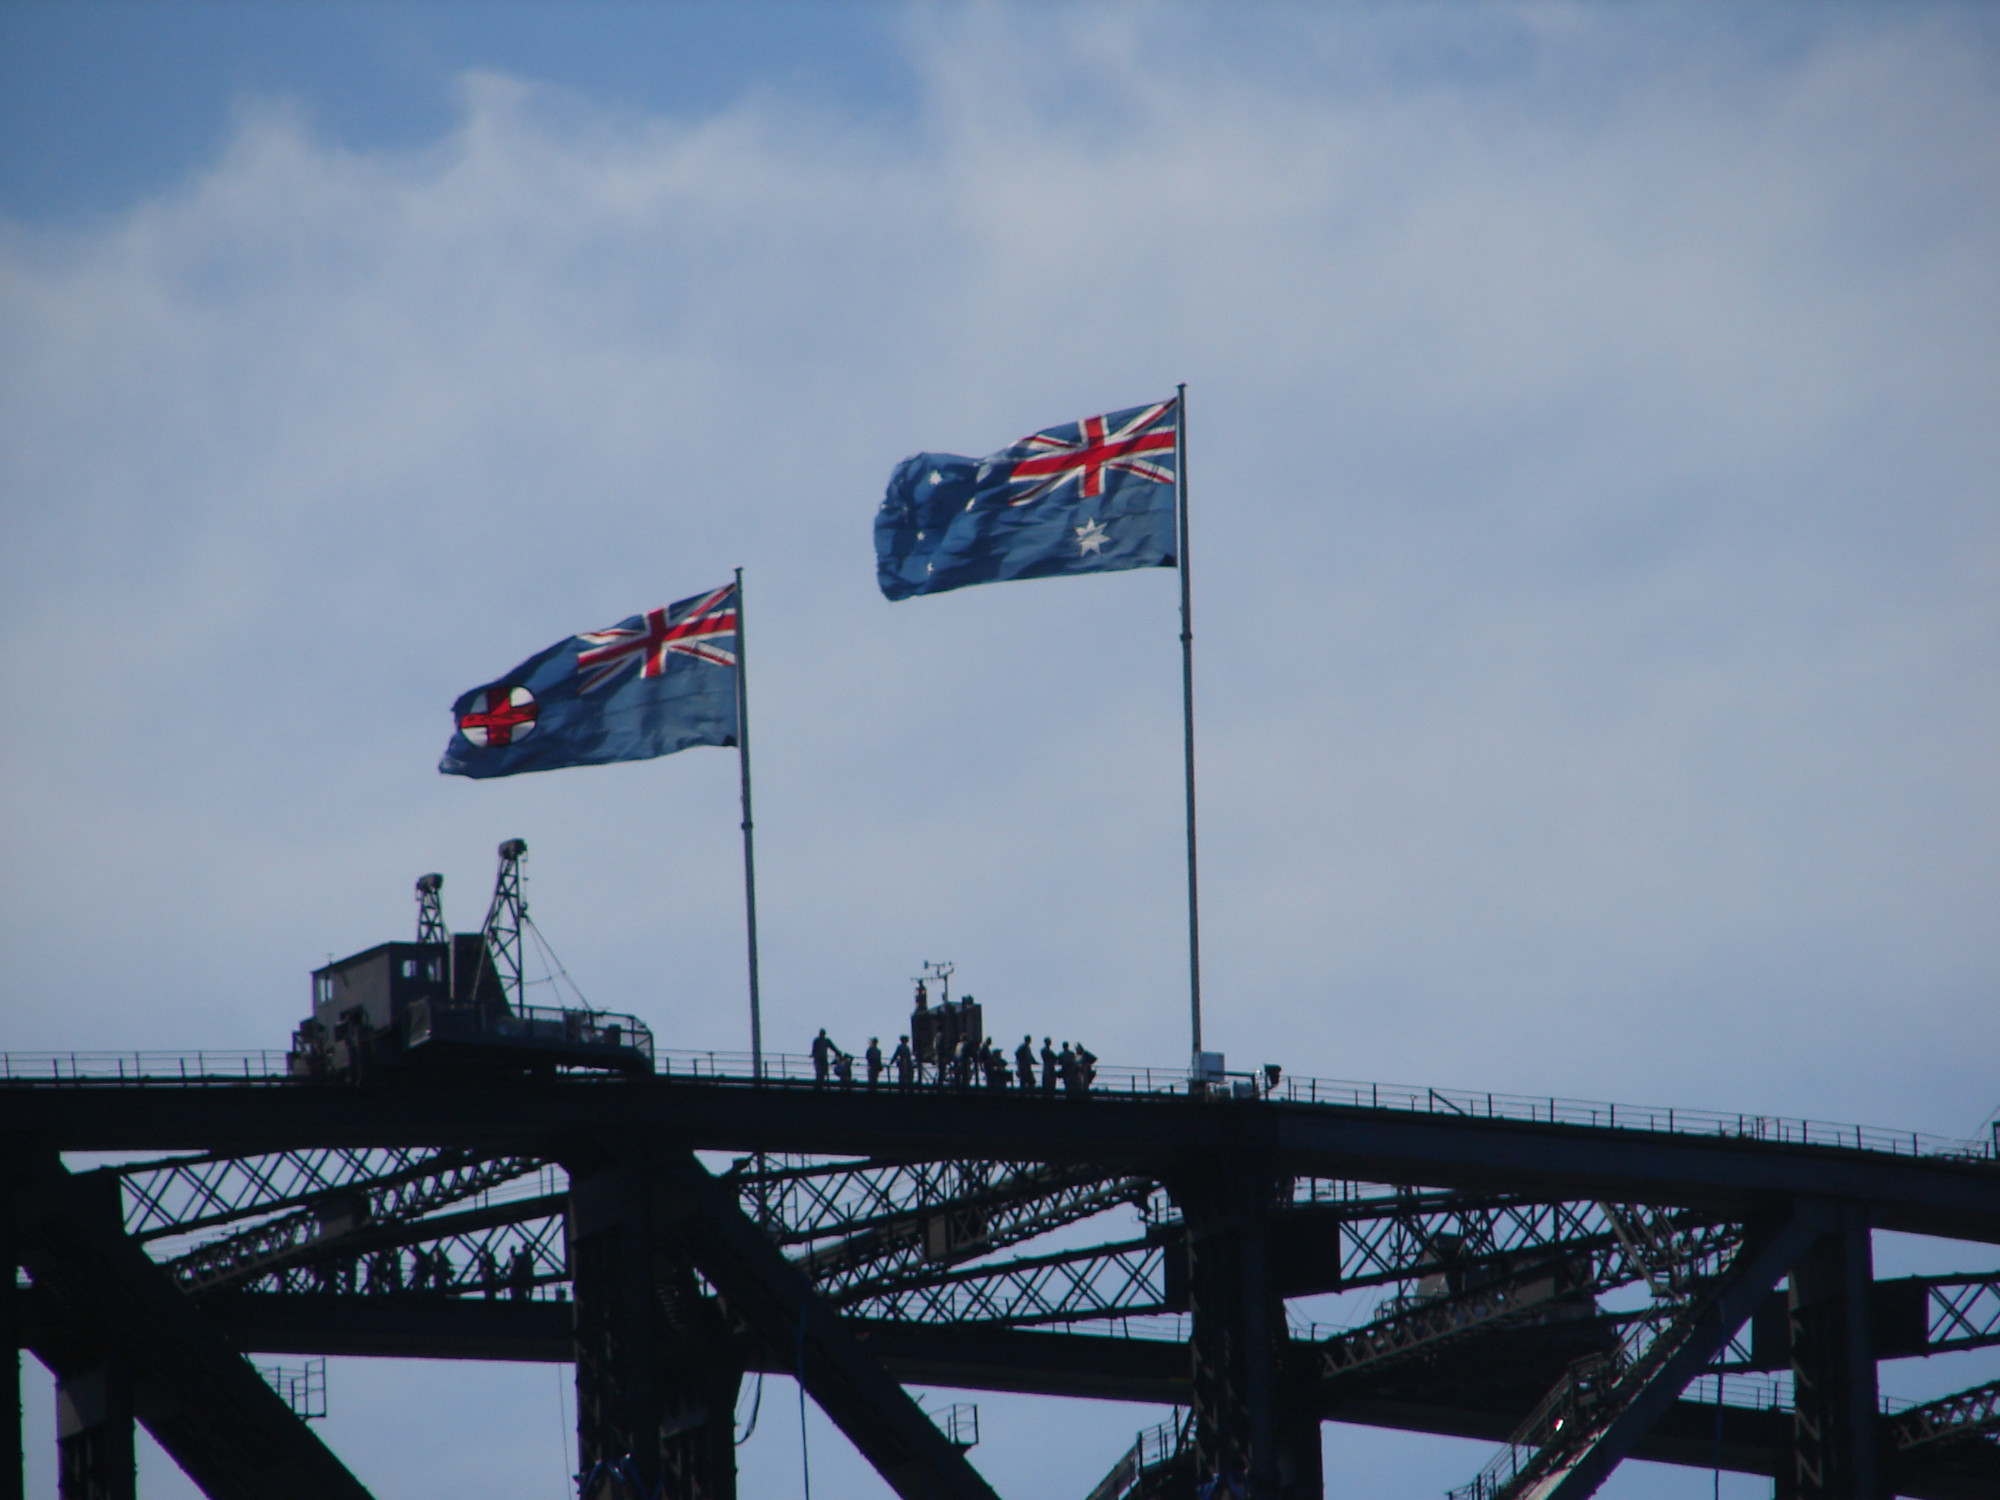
(1187,712)
(749,842)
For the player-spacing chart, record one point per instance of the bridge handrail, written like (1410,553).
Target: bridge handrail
(268,1066)
(219,1065)
(1556,1110)
(1539,1109)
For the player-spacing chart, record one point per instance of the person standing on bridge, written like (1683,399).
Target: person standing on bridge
(874,1056)
(1024,1063)
(961,1061)
(1048,1067)
(903,1062)
(1086,1065)
(822,1051)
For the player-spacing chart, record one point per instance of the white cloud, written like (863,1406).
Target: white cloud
(1594,547)
(1594,475)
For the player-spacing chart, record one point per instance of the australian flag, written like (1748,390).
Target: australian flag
(1088,497)
(651,685)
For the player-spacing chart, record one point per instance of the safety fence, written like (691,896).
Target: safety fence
(792,1070)
(786,1069)
(265,1066)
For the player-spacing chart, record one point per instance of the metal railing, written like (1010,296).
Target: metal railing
(264,1066)
(1597,1114)
(1747,1391)
(1155,1446)
(1561,1416)
(302,1387)
(959,1422)
(792,1070)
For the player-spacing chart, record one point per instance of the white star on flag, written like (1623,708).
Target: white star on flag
(1090,537)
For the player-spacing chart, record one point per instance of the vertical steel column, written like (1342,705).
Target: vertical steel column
(699,1385)
(656,1371)
(1301,1473)
(617,1400)
(1835,1438)
(1221,1415)
(1237,1321)
(95,1455)
(13,1474)
(1263,1321)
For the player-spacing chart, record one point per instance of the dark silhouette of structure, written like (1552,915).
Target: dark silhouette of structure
(869,1238)
(1576,1283)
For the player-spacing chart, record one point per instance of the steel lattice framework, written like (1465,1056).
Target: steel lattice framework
(1563,1295)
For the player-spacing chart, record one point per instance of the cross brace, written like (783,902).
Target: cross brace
(1680,1353)
(772,1296)
(194,1393)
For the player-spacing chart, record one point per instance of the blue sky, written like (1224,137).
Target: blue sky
(1595,469)
(106,101)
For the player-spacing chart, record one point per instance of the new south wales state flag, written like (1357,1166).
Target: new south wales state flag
(650,685)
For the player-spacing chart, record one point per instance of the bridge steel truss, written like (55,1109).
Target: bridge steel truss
(1576,1294)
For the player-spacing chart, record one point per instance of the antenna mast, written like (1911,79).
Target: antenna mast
(942,973)
(505,919)
(430,910)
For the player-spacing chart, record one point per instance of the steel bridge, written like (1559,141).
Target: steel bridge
(1575,1283)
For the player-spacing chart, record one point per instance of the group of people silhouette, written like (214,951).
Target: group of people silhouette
(946,1048)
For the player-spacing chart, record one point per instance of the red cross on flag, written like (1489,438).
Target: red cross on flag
(499,716)
(650,685)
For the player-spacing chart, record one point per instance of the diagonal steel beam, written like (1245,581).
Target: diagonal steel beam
(1949,1418)
(977,1223)
(1413,1331)
(1702,1331)
(190,1194)
(305,1234)
(201,1399)
(1119,1280)
(773,1297)
(1961,1312)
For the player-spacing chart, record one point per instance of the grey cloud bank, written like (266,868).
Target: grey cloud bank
(1595,555)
